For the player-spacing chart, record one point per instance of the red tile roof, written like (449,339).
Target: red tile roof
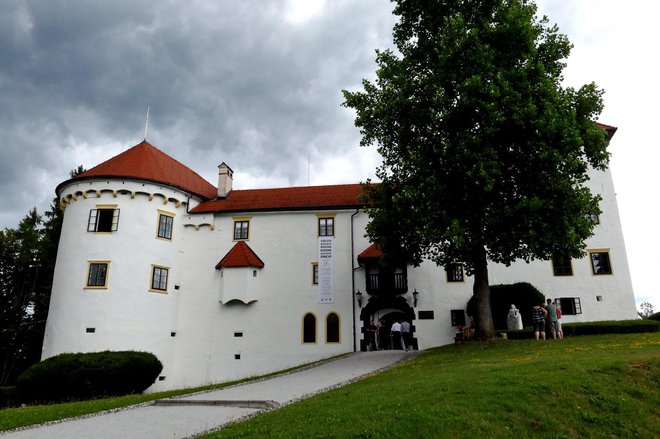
(291,198)
(241,255)
(609,128)
(146,162)
(373,251)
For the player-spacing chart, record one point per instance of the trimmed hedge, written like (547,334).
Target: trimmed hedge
(611,327)
(593,328)
(8,396)
(88,375)
(522,294)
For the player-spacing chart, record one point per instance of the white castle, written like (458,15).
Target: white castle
(222,284)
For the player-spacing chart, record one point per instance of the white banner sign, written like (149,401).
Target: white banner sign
(326,253)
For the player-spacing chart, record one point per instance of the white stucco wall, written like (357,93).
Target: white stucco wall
(192,328)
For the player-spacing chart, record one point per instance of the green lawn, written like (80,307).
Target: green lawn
(586,386)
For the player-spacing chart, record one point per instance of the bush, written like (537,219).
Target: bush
(88,375)
(521,294)
(611,327)
(655,316)
(8,397)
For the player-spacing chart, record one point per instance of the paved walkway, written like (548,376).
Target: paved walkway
(194,414)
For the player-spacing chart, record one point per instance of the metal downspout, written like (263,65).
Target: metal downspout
(353,279)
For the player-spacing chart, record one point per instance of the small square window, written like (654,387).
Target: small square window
(241,229)
(103,220)
(97,276)
(165,223)
(561,266)
(237,356)
(159,278)
(595,218)
(600,262)
(457,317)
(599,298)
(326,227)
(454,272)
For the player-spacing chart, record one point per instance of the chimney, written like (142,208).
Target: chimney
(225,178)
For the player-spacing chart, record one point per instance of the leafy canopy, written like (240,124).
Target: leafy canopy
(482,146)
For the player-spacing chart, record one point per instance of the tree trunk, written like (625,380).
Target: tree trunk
(481,291)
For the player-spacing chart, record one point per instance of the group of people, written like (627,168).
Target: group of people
(398,336)
(546,320)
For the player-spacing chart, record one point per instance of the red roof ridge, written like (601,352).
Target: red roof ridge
(146,162)
(240,255)
(288,198)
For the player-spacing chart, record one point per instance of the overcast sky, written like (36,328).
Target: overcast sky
(257,84)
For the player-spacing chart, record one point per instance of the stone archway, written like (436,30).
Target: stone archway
(389,308)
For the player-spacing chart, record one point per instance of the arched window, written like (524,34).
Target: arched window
(332,328)
(309,328)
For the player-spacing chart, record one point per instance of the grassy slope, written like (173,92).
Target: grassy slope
(589,386)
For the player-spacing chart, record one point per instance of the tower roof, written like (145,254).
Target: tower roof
(146,162)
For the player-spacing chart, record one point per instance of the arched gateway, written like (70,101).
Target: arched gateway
(388,309)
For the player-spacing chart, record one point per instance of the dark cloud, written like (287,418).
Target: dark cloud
(231,81)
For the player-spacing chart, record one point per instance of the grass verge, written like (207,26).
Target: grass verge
(586,386)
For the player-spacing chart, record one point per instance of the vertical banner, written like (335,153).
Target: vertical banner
(326,254)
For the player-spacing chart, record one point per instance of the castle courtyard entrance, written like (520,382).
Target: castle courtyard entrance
(383,311)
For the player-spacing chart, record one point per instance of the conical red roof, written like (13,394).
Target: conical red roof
(146,162)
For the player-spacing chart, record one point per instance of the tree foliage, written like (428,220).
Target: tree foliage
(485,153)
(27,263)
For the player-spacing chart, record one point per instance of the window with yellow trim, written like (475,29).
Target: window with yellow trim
(332,334)
(241,229)
(159,277)
(326,226)
(165,223)
(97,275)
(309,328)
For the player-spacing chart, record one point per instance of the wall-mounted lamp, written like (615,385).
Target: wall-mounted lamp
(415,297)
(359,298)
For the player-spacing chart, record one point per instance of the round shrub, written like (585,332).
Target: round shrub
(88,375)
(655,316)
(522,294)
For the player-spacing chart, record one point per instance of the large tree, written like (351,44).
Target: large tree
(27,263)
(485,153)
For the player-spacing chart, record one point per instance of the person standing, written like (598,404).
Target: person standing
(560,332)
(396,335)
(405,333)
(538,320)
(552,318)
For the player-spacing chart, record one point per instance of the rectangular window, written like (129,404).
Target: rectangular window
(97,276)
(569,305)
(600,262)
(159,278)
(454,272)
(165,222)
(315,274)
(241,229)
(595,219)
(103,220)
(457,317)
(326,227)
(561,266)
